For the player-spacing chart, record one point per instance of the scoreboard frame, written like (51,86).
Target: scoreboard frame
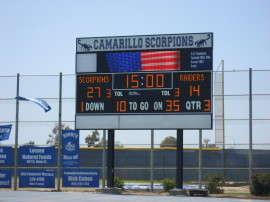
(135,88)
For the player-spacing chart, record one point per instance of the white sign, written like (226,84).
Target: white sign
(202,40)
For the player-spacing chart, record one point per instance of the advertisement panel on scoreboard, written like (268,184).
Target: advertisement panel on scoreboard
(168,77)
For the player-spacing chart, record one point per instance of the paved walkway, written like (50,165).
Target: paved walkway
(31,196)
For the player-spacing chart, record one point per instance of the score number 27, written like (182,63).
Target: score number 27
(96,92)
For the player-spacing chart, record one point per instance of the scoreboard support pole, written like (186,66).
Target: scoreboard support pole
(179,159)
(110,159)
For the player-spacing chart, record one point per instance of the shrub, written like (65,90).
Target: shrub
(119,182)
(214,183)
(260,185)
(168,184)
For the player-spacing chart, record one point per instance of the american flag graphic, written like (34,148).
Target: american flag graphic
(143,61)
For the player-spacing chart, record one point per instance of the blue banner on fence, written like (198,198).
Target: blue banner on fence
(37,178)
(39,102)
(80,178)
(5,179)
(5,132)
(37,155)
(5,155)
(70,145)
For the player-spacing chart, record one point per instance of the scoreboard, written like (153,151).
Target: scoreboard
(144,93)
(144,82)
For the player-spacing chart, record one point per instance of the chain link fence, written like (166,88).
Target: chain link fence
(229,155)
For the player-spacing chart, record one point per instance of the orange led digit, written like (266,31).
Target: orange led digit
(160,80)
(98,91)
(108,93)
(207,105)
(149,81)
(177,92)
(168,105)
(127,81)
(176,105)
(90,92)
(82,106)
(134,80)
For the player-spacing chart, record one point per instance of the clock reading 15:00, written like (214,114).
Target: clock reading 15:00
(142,80)
(144,93)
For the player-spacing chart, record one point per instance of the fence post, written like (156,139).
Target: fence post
(59,134)
(152,162)
(110,159)
(179,159)
(200,159)
(250,128)
(16,135)
(103,158)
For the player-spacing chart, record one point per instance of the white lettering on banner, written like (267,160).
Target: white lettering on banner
(3,156)
(72,178)
(70,134)
(26,157)
(4,130)
(2,175)
(4,182)
(45,157)
(36,150)
(67,157)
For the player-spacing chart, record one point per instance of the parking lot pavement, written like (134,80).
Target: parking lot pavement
(30,196)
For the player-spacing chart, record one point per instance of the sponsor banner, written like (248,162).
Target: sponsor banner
(80,178)
(37,178)
(5,155)
(36,155)
(5,179)
(5,132)
(172,41)
(70,148)
(201,59)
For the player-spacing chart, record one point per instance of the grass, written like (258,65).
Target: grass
(238,194)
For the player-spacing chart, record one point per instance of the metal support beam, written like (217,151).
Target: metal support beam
(110,159)
(59,160)
(103,158)
(250,128)
(16,135)
(152,162)
(179,159)
(200,159)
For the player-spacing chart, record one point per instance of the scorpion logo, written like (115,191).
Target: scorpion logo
(84,46)
(202,42)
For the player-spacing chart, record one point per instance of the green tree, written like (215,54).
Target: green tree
(206,143)
(53,138)
(169,141)
(93,140)
(30,143)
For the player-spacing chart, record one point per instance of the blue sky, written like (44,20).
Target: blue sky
(38,37)
(41,34)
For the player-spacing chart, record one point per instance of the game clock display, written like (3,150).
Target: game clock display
(169,92)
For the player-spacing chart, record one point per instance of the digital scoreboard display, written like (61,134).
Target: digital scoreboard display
(144,93)
(144,82)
